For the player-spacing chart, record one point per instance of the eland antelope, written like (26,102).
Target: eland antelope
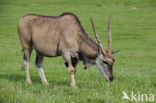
(63,35)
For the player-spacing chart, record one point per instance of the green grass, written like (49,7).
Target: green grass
(133,30)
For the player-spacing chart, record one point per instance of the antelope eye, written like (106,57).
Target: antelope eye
(105,62)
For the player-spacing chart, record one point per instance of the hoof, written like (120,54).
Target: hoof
(45,83)
(73,85)
(28,82)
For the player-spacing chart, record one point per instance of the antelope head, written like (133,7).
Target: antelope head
(105,60)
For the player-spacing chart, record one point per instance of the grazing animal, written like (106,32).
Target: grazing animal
(63,35)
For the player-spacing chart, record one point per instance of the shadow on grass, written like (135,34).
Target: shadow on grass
(1,100)
(18,77)
(35,79)
(12,77)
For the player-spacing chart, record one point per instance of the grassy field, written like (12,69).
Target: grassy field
(134,32)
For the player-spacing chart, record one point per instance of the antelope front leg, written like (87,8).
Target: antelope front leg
(72,72)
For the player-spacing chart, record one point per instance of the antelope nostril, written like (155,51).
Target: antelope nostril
(111,78)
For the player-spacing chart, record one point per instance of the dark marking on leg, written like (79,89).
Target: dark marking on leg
(39,60)
(39,65)
(74,64)
(66,64)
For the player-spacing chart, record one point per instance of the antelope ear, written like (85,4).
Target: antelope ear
(115,51)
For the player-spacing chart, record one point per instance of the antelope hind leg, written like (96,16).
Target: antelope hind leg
(26,59)
(39,65)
